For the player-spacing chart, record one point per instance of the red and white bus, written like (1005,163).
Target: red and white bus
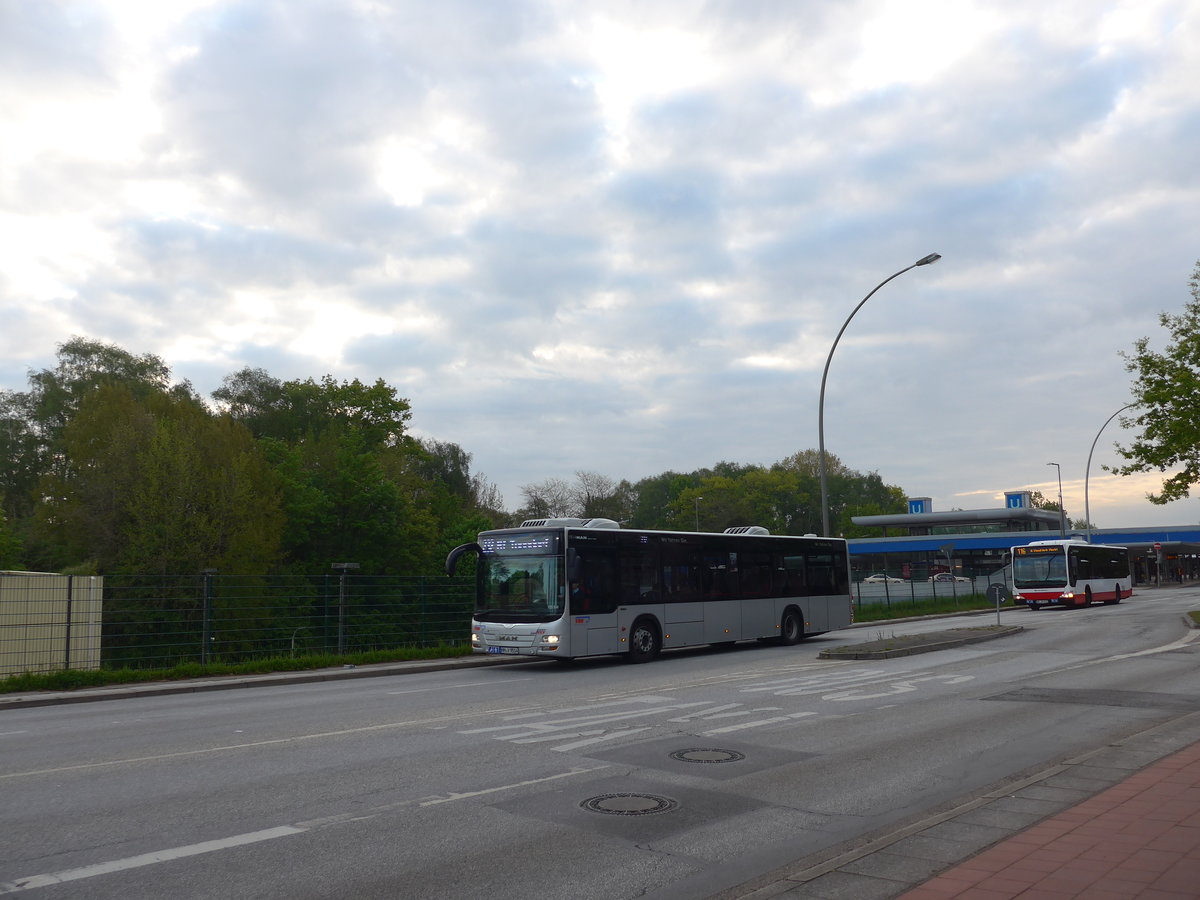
(566,588)
(1069,573)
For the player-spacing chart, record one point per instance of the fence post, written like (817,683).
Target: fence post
(342,567)
(206,614)
(67,647)
(424,612)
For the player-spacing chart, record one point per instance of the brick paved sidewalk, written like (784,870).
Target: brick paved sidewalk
(1138,839)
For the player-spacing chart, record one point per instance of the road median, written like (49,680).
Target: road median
(912,644)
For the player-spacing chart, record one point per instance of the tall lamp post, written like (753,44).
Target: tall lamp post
(697,502)
(1087,509)
(923,261)
(1062,513)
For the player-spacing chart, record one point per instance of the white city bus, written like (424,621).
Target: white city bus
(566,588)
(1069,573)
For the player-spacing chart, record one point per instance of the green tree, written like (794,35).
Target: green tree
(654,498)
(294,411)
(32,422)
(11,551)
(1166,392)
(204,498)
(158,485)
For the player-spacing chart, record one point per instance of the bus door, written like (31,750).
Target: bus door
(755,571)
(592,592)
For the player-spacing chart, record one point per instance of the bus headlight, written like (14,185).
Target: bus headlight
(474,639)
(550,639)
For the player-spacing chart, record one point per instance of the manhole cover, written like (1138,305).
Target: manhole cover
(629,804)
(707,756)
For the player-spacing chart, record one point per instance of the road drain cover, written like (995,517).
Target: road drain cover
(629,804)
(707,756)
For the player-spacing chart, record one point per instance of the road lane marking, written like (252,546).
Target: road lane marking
(454,687)
(147,859)
(588,742)
(228,747)
(757,724)
(48,879)
(1165,648)
(468,795)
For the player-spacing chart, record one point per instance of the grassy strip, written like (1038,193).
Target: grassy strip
(84,678)
(902,609)
(1194,615)
(81,678)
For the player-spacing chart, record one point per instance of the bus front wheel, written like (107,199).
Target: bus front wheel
(644,642)
(791,628)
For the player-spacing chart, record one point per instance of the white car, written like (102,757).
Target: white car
(946,576)
(881,578)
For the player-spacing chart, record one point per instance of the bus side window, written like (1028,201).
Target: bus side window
(639,575)
(595,589)
(755,575)
(792,582)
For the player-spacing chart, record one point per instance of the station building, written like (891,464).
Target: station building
(977,543)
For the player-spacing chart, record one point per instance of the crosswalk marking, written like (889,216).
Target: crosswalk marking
(618,716)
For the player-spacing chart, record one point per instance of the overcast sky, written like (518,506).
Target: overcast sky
(621,236)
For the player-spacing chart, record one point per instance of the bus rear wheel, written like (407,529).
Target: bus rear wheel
(1116,595)
(644,642)
(791,628)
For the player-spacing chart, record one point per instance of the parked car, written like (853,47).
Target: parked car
(946,576)
(881,578)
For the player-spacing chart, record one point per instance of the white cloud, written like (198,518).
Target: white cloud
(636,226)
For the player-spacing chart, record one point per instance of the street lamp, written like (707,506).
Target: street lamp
(1087,509)
(697,500)
(1062,513)
(923,261)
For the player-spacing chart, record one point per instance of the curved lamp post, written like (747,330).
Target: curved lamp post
(1087,509)
(1062,513)
(923,261)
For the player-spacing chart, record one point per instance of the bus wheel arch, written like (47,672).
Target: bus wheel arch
(791,627)
(1116,595)
(645,640)
(1087,596)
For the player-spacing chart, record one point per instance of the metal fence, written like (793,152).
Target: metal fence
(154,622)
(911,592)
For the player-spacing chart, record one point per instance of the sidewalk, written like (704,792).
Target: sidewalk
(1119,823)
(1138,839)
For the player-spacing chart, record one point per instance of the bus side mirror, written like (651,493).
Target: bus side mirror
(452,557)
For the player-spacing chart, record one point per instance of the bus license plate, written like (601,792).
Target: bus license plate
(502,650)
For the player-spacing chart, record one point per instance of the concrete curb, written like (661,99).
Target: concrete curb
(199,685)
(912,644)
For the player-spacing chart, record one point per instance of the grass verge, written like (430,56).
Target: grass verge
(80,678)
(902,609)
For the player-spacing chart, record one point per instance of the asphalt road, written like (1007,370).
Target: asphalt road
(683,778)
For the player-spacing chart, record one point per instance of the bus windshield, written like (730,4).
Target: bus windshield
(519,589)
(1041,567)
